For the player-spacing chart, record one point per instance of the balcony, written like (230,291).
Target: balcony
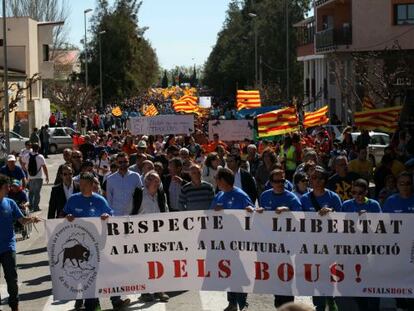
(331,38)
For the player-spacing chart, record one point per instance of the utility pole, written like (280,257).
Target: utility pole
(86,48)
(6,82)
(100,67)
(287,52)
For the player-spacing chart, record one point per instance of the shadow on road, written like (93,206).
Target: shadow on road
(35,295)
(33,251)
(23,266)
(38,281)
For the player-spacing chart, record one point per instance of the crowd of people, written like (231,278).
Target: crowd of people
(115,173)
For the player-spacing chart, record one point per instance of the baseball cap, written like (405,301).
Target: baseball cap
(16,182)
(10,158)
(142,144)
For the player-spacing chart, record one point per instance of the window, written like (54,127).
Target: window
(45,52)
(404,14)
(59,132)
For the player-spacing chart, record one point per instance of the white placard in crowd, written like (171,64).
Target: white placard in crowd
(205,101)
(231,130)
(301,254)
(162,125)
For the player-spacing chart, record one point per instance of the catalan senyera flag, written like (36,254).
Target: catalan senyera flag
(384,119)
(277,122)
(367,103)
(187,104)
(117,112)
(316,118)
(151,111)
(248,99)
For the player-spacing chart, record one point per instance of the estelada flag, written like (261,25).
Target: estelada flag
(248,99)
(151,111)
(117,112)
(384,119)
(316,118)
(278,122)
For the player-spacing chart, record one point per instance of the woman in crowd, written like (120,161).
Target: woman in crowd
(211,166)
(263,171)
(300,184)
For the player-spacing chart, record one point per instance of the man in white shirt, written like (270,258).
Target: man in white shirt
(36,178)
(121,185)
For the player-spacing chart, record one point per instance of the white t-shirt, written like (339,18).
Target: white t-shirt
(40,161)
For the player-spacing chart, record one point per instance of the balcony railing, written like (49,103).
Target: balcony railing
(333,37)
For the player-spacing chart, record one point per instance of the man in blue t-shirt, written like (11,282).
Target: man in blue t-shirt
(403,201)
(9,213)
(86,203)
(360,203)
(323,201)
(278,198)
(231,197)
(13,171)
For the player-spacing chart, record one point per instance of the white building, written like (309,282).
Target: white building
(28,43)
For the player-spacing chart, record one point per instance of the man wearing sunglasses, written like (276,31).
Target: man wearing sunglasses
(323,201)
(280,200)
(402,202)
(361,204)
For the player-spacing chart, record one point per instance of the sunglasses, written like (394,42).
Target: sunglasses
(278,181)
(76,157)
(67,174)
(358,192)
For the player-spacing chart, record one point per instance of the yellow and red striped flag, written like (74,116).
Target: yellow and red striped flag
(248,99)
(367,103)
(151,111)
(117,112)
(277,122)
(384,119)
(316,118)
(187,104)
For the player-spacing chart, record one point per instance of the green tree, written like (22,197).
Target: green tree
(164,82)
(231,64)
(130,64)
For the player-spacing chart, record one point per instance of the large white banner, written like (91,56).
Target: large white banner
(162,125)
(231,130)
(289,254)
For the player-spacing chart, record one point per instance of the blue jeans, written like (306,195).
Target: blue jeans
(239,299)
(35,186)
(8,261)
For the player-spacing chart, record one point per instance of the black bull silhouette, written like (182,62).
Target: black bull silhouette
(78,252)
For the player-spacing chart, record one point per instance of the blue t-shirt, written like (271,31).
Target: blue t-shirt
(81,206)
(288,185)
(9,213)
(396,204)
(17,173)
(351,206)
(270,200)
(234,199)
(329,199)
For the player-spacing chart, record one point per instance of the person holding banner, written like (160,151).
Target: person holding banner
(280,200)
(9,213)
(323,201)
(231,197)
(362,204)
(90,204)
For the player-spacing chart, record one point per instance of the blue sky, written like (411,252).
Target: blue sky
(179,30)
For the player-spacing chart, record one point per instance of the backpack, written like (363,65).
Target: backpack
(32,167)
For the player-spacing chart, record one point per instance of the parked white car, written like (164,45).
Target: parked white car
(379,141)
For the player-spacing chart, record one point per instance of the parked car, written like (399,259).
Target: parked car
(17,142)
(377,144)
(60,138)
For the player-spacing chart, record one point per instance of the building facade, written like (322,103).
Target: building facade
(28,43)
(339,30)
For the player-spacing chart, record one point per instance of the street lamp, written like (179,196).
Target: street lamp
(287,52)
(253,15)
(86,48)
(100,66)
(6,82)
